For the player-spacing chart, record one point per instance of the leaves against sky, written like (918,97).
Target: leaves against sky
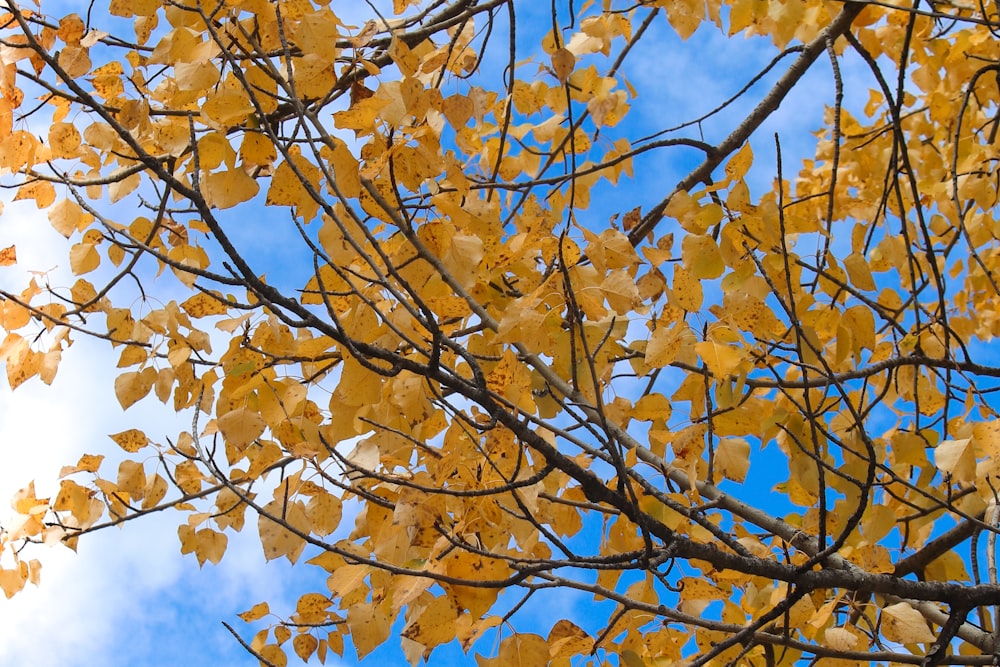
(503,389)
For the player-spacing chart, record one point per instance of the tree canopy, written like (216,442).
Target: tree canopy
(391,262)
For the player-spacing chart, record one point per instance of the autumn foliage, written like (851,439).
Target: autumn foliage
(432,341)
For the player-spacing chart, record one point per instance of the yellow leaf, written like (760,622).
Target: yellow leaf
(739,164)
(275,536)
(473,567)
(346,170)
(652,407)
(903,624)
(873,558)
(288,189)
(949,566)
(311,608)
(210,545)
(685,15)
(155,491)
(435,625)
(665,344)
(75,60)
(8,256)
(511,379)
(274,655)
(43,192)
(523,650)
(240,427)
(67,217)
(567,640)
(231,508)
(204,305)
(458,110)
(304,646)
(83,258)
(361,115)
(132,479)
(859,272)
(79,501)
(722,360)
(348,578)
(131,440)
(956,458)
(13,580)
(257,150)
(701,256)
(71,29)
(64,140)
(196,76)
(324,511)
(840,639)
(133,386)
(563,62)
(225,189)
(695,588)
(257,612)
(87,463)
(121,187)
(687,290)
(369,627)
(620,292)
(732,458)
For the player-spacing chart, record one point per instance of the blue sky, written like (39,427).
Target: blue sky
(128,596)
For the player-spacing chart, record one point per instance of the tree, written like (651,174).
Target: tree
(449,343)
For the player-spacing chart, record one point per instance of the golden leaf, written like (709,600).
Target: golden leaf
(563,62)
(722,360)
(132,479)
(75,61)
(903,624)
(155,491)
(276,537)
(956,458)
(240,427)
(226,189)
(369,627)
(739,164)
(466,565)
(257,612)
(665,344)
(523,650)
(732,458)
(210,545)
(840,639)
(701,257)
(287,189)
(435,625)
(204,305)
(12,580)
(685,16)
(64,140)
(324,511)
(133,386)
(686,290)
(652,407)
(87,463)
(67,217)
(84,258)
(71,29)
(304,646)
(131,440)
(43,192)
